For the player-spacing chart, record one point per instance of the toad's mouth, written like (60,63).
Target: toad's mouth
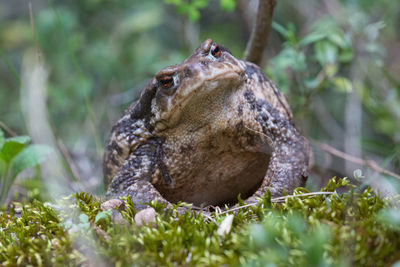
(217,81)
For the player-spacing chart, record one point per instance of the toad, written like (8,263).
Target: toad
(203,132)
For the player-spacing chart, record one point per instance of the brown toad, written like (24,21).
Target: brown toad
(203,132)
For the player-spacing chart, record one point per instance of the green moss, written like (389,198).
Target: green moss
(354,228)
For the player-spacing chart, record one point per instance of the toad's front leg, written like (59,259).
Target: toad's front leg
(287,169)
(290,152)
(134,177)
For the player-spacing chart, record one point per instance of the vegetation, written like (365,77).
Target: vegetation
(69,68)
(325,229)
(15,157)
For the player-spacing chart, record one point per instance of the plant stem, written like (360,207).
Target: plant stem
(259,36)
(4,184)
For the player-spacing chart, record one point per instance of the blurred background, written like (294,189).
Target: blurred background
(68,69)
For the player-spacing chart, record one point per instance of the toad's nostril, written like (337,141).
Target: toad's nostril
(188,71)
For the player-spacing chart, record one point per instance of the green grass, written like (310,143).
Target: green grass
(350,229)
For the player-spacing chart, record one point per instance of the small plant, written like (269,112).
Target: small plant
(309,65)
(15,156)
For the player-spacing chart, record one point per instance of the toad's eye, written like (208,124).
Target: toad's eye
(166,81)
(215,51)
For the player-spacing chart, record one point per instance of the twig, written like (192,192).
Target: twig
(8,130)
(259,36)
(277,200)
(100,232)
(33,31)
(238,208)
(208,217)
(67,156)
(369,163)
(10,66)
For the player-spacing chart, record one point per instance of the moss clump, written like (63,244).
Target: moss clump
(354,228)
(31,234)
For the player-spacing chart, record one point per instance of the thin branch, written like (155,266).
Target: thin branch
(10,67)
(369,163)
(208,217)
(70,162)
(8,130)
(259,36)
(238,208)
(38,54)
(278,200)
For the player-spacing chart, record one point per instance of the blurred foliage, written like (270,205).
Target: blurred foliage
(351,229)
(101,53)
(348,52)
(322,63)
(16,156)
(191,8)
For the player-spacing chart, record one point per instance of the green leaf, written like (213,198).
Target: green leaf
(311,38)
(289,57)
(200,3)
(2,140)
(12,146)
(372,30)
(19,139)
(183,8)
(346,56)
(390,217)
(358,174)
(325,52)
(228,5)
(191,9)
(175,2)
(193,14)
(31,156)
(314,247)
(138,22)
(2,168)
(331,70)
(326,25)
(312,82)
(279,28)
(83,218)
(343,84)
(104,215)
(338,39)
